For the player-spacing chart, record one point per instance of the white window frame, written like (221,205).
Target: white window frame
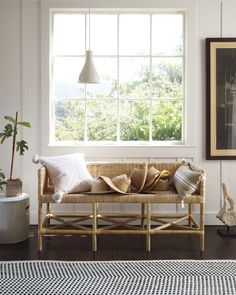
(188,146)
(119,56)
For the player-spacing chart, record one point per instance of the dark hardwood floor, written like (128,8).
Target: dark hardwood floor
(122,247)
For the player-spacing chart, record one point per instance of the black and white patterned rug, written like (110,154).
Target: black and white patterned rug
(184,277)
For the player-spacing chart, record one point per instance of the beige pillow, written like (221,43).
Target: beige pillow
(186,180)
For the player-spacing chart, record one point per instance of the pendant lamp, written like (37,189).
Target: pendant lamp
(89,73)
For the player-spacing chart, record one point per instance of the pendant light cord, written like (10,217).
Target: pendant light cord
(89,21)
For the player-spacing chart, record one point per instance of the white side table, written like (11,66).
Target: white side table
(14,218)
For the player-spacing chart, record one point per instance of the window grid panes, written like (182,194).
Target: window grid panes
(140,60)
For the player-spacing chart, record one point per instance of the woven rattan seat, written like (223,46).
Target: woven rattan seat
(161,197)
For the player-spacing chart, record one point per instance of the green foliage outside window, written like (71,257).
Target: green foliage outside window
(167,121)
(134,120)
(165,110)
(102,120)
(70,116)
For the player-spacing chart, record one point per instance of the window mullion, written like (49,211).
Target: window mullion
(85,93)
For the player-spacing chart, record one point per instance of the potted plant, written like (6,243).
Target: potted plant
(14,186)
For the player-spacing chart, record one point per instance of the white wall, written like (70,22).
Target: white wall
(21,81)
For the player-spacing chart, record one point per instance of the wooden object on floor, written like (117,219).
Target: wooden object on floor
(227,231)
(227,214)
(148,223)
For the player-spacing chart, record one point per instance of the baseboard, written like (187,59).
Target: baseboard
(210,218)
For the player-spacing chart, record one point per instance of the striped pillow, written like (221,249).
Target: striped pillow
(186,181)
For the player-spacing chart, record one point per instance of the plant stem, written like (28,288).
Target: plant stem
(13,145)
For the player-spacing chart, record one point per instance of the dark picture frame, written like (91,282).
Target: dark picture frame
(221,98)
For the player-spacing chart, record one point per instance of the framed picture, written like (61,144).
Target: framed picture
(221,98)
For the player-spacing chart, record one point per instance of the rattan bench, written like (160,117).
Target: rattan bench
(144,222)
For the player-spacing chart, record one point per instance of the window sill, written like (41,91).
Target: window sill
(118,144)
(119,152)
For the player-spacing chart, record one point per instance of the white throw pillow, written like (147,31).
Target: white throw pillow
(68,174)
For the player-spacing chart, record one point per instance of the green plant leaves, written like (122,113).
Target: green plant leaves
(25,124)
(2,179)
(9,118)
(2,175)
(21,147)
(7,132)
(10,129)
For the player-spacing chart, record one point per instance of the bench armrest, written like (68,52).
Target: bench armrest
(202,186)
(42,181)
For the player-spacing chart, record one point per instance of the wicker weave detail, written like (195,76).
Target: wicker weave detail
(113,169)
(162,197)
(145,215)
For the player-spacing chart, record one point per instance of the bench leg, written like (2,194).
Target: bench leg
(40,237)
(142,215)
(48,212)
(189,214)
(94,205)
(148,236)
(202,206)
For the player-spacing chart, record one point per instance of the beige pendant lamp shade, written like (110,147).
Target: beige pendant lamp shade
(89,73)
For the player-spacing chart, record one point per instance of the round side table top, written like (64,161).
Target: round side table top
(4,199)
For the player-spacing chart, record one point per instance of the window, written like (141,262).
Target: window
(140,60)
